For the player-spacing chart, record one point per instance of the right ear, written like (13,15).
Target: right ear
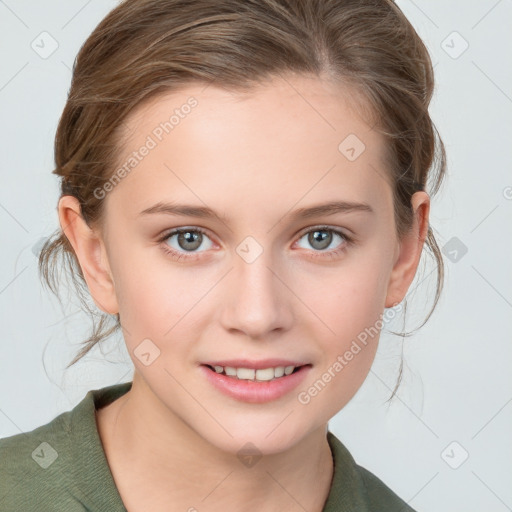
(91,253)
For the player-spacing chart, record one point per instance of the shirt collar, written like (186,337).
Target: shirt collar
(96,489)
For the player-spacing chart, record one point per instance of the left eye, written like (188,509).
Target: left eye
(321,238)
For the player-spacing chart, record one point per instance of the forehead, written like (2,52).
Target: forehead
(292,139)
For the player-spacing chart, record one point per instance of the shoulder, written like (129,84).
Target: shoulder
(358,488)
(61,466)
(380,497)
(34,468)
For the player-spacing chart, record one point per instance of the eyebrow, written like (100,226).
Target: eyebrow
(331,208)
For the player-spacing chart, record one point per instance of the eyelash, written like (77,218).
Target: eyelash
(332,254)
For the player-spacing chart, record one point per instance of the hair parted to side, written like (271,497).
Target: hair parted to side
(147,47)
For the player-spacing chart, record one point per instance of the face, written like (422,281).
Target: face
(255,279)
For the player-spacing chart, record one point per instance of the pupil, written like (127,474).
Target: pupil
(317,236)
(187,237)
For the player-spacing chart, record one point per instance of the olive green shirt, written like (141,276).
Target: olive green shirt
(61,466)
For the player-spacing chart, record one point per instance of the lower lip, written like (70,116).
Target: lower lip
(255,391)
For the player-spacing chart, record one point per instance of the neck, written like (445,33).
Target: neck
(157,459)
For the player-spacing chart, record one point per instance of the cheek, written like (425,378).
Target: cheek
(143,293)
(347,300)
(349,307)
(158,299)
(353,311)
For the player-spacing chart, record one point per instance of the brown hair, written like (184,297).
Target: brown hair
(146,47)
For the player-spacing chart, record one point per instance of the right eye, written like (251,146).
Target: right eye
(181,241)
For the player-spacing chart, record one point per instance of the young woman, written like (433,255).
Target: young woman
(244,192)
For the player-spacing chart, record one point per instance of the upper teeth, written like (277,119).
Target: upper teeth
(252,374)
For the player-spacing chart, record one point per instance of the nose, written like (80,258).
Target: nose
(259,300)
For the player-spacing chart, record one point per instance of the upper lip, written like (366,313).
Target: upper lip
(256,365)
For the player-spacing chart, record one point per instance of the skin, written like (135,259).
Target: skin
(252,158)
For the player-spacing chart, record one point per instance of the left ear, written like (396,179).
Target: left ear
(409,251)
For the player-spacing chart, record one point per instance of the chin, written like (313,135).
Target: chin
(261,438)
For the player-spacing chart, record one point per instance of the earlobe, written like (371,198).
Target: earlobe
(409,252)
(91,253)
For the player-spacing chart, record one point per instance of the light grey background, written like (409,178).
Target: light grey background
(457,378)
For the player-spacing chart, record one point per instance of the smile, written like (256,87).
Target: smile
(262,374)
(255,385)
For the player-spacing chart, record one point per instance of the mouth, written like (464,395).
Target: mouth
(265,383)
(261,374)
